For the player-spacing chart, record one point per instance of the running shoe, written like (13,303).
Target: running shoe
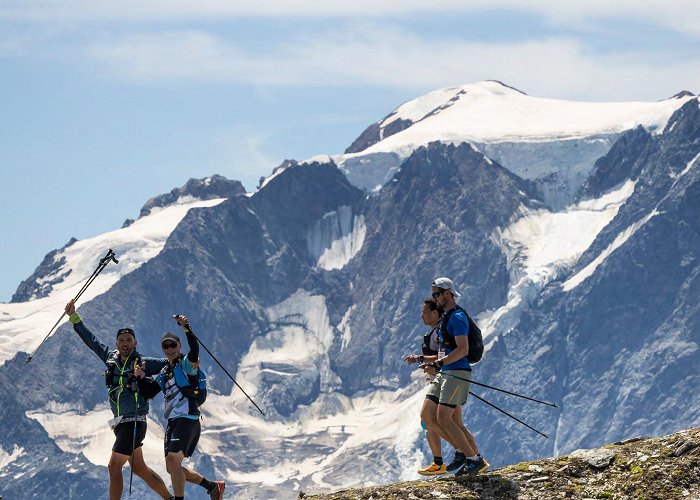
(472,467)
(217,492)
(433,470)
(457,463)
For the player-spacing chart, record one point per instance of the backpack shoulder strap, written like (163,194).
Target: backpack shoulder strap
(426,347)
(182,378)
(445,337)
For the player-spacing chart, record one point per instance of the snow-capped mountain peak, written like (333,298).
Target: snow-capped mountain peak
(491,111)
(552,142)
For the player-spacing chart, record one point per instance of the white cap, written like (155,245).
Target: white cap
(446,284)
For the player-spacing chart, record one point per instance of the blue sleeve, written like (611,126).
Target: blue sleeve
(154,365)
(458,325)
(91,341)
(159,379)
(187,366)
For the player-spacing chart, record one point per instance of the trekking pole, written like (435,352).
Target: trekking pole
(133,442)
(224,369)
(103,263)
(503,390)
(135,388)
(511,416)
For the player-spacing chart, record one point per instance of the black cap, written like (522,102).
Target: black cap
(127,331)
(170,336)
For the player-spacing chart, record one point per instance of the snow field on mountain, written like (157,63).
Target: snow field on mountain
(7,457)
(491,112)
(23,325)
(303,336)
(547,240)
(541,244)
(301,341)
(384,417)
(88,432)
(417,109)
(625,235)
(336,238)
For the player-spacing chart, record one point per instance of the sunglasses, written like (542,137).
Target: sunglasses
(169,345)
(437,294)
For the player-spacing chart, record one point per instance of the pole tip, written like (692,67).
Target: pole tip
(29,358)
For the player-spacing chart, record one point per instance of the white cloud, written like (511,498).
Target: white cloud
(394,58)
(680,15)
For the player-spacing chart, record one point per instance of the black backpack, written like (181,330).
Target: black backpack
(476,341)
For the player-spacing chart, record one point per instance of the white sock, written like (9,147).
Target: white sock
(474,458)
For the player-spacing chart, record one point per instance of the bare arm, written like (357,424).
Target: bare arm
(459,352)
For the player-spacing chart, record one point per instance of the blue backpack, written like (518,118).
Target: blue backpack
(193,387)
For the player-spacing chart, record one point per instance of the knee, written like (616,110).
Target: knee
(428,413)
(444,419)
(114,468)
(171,463)
(428,417)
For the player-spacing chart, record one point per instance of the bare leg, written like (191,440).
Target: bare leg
(192,476)
(173,462)
(428,415)
(451,431)
(116,482)
(457,416)
(434,443)
(153,480)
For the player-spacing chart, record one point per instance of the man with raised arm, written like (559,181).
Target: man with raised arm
(179,382)
(128,407)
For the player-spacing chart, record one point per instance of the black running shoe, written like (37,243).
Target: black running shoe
(472,467)
(456,464)
(217,492)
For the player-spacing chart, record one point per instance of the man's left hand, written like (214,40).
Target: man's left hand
(181,320)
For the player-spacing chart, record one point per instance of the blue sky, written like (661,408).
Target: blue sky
(106,104)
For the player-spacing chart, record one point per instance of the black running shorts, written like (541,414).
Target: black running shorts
(182,435)
(125,437)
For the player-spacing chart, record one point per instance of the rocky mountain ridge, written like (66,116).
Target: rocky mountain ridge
(661,468)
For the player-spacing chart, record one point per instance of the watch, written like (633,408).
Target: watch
(440,363)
